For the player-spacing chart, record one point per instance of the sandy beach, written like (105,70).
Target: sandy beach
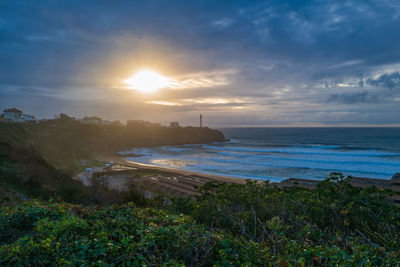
(181,183)
(152,179)
(117,159)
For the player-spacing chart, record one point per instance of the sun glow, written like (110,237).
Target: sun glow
(147,81)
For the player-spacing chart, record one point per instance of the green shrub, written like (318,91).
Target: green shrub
(230,224)
(333,223)
(51,234)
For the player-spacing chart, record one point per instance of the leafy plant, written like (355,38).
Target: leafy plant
(333,223)
(63,234)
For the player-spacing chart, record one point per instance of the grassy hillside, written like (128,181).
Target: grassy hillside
(38,160)
(24,171)
(63,142)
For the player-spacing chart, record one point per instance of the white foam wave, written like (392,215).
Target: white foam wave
(309,161)
(317,159)
(300,150)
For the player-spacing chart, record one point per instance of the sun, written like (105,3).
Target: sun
(147,81)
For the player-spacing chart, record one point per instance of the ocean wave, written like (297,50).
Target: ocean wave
(262,143)
(232,141)
(384,171)
(327,159)
(300,150)
(241,164)
(256,161)
(175,148)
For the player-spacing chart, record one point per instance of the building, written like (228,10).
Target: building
(13,114)
(201,120)
(16,115)
(174,124)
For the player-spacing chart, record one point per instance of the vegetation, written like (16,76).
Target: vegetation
(66,223)
(38,160)
(230,224)
(335,223)
(37,233)
(23,170)
(65,141)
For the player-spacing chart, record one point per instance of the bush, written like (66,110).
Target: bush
(335,223)
(62,234)
(230,224)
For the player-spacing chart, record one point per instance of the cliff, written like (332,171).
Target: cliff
(65,141)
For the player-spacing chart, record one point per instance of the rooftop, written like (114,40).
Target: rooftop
(12,110)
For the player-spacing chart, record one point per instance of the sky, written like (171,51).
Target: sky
(239,63)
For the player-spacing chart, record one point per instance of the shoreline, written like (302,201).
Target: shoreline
(214,177)
(119,159)
(185,176)
(151,179)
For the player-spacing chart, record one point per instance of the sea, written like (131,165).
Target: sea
(276,154)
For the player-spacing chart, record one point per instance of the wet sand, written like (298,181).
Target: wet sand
(211,177)
(180,183)
(153,180)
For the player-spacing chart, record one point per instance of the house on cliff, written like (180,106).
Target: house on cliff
(13,114)
(16,115)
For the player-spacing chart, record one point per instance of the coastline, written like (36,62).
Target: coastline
(212,177)
(184,183)
(119,159)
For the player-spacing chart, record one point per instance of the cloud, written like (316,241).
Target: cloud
(389,81)
(222,23)
(164,103)
(235,54)
(352,98)
(203,79)
(201,101)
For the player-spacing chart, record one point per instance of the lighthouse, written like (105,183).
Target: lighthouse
(201,121)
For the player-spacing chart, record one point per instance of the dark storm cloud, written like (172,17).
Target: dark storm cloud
(290,53)
(389,81)
(352,98)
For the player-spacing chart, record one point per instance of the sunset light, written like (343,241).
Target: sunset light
(147,81)
(200,133)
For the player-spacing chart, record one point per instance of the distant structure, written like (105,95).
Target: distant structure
(142,123)
(91,120)
(16,115)
(98,121)
(13,114)
(174,124)
(201,120)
